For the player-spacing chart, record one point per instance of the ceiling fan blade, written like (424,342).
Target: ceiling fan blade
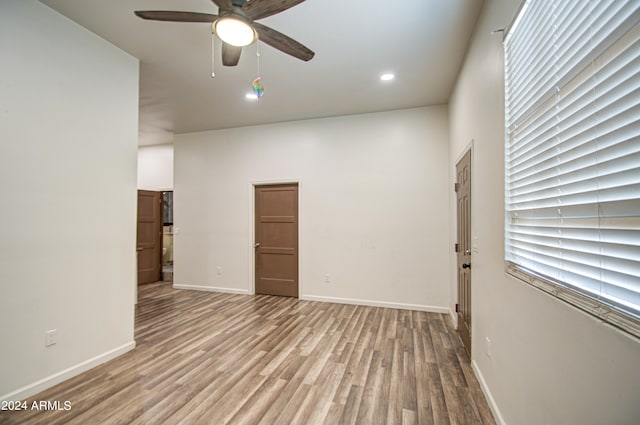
(223,4)
(230,54)
(283,43)
(258,9)
(174,16)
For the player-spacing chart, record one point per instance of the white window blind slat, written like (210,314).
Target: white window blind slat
(576,211)
(617,107)
(616,103)
(543,74)
(620,71)
(581,42)
(616,92)
(624,142)
(555,194)
(581,246)
(572,154)
(611,223)
(621,55)
(545,235)
(612,271)
(556,176)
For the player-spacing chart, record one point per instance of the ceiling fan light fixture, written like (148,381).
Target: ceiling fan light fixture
(235,31)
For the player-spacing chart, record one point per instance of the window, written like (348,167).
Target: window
(572,154)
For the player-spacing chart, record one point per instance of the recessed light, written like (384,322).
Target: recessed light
(387,77)
(251,96)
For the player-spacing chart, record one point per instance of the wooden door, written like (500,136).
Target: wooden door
(276,239)
(463,248)
(149,243)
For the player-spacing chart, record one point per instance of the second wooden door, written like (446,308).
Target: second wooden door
(149,241)
(463,192)
(276,239)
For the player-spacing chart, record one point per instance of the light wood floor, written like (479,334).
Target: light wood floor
(211,358)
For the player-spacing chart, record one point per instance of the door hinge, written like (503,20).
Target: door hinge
(456,186)
(457,308)
(456,247)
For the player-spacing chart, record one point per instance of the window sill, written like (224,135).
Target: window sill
(617,317)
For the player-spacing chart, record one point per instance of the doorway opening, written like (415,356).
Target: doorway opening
(167,236)
(149,236)
(155,236)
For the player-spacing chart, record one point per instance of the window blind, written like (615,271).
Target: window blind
(572,153)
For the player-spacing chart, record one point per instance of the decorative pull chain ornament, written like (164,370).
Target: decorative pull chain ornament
(258,88)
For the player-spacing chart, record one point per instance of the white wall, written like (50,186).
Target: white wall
(550,363)
(155,167)
(373,205)
(68,135)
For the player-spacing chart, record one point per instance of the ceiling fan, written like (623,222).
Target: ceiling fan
(235,25)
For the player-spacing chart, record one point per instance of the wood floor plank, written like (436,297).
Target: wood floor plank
(424,409)
(331,376)
(292,387)
(395,403)
(372,384)
(352,405)
(227,359)
(409,417)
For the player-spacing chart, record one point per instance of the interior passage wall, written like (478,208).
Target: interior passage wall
(68,135)
(155,167)
(373,205)
(547,362)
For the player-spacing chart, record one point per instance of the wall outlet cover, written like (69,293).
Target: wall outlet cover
(50,338)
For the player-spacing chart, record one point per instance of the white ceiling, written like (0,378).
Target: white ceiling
(422,42)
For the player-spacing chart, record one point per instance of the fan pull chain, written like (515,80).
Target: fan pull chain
(213,56)
(256,85)
(258,58)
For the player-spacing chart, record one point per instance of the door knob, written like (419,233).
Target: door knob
(466,265)
(256,245)
(467,252)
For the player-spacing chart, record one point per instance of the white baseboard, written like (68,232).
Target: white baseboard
(485,389)
(401,306)
(48,382)
(212,289)
(454,318)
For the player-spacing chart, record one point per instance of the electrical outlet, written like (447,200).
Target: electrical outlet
(50,337)
(327,278)
(219,271)
(489,351)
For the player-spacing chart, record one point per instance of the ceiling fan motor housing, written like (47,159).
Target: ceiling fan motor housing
(235,12)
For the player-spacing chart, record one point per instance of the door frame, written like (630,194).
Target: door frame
(469,148)
(252,229)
